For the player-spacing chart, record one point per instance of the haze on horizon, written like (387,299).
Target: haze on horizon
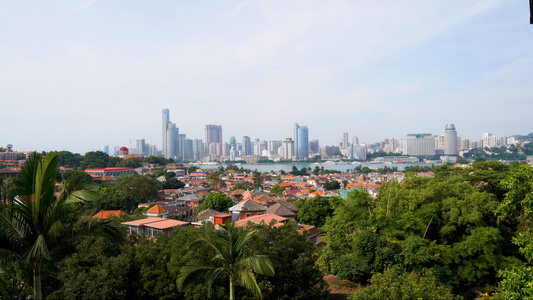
(78,75)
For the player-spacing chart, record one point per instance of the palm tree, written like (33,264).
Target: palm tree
(29,223)
(231,257)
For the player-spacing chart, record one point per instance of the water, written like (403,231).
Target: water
(342,167)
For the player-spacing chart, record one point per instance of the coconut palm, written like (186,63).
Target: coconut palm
(231,257)
(29,223)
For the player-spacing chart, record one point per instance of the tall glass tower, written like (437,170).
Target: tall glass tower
(303,142)
(166,121)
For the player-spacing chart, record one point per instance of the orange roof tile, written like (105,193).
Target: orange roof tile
(104,214)
(156,209)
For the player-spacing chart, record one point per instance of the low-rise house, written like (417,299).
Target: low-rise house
(284,209)
(246,209)
(105,214)
(153,226)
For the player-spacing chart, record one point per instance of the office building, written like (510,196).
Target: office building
(422,144)
(165,120)
(345,140)
(141,147)
(246,146)
(233,143)
(152,150)
(303,142)
(287,149)
(355,141)
(295,141)
(314,146)
(106,150)
(213,135)
(172,141)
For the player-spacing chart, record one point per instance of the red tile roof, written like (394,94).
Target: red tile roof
(104,214)
(156,209)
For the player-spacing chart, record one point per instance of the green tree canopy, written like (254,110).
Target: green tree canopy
(216,201)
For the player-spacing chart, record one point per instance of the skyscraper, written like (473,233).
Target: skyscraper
(295,141)
(213,135)
(246,146)
(450,140)
(303,142)
(141,147)
(106,150)
(233,143)
(172,141)
(345,140)
(166,120)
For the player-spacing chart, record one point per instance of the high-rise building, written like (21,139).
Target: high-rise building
(314,146)
(246,146)
(295,141)
(172,141)
(198,149)
(181,139)
(422,144)
(355,141)
(488,140)
(450,140)
(166,120)
(274,145)
(287,149)
(465,144)
(106,150)
(141,147)
(213,135)
(345,140)
(233,142)
(303,142)
(187,150)
(152,150)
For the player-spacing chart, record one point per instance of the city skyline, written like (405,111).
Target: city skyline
(373,70)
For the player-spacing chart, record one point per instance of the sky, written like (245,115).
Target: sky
(78,75)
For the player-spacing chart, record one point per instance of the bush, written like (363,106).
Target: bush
(392,285)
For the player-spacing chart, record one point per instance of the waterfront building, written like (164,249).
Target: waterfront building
(295,141)
(420,144)
(303,142)
(450,140)
(246,146)
(345,140)
(166,120)
(172,141)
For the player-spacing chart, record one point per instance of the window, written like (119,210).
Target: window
(248,215)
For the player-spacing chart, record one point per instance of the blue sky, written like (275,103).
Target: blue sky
(78,75)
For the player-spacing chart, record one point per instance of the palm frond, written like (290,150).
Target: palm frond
(187,271)
(39,250)
(259,263)
(245,278)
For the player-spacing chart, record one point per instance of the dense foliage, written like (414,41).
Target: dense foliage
(216,201)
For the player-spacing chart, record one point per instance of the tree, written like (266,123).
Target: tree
(192,169)
(517,210)
(277,189)
(216,201)
(110,269)
(28,223)
(332,185)
(296,274)
(399,286)
(314,211)
(230,257)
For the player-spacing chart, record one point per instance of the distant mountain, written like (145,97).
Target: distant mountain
(523,137)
